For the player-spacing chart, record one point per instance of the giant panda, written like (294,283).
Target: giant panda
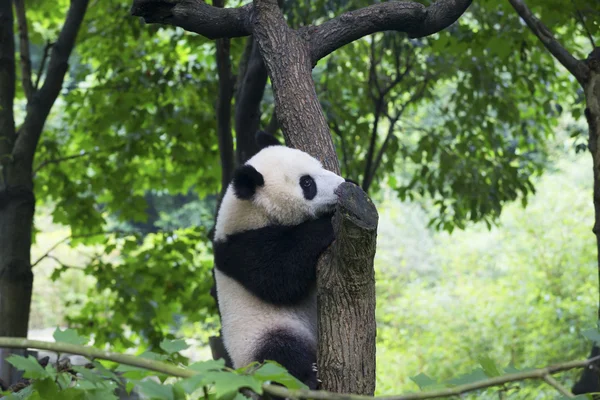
(273,223)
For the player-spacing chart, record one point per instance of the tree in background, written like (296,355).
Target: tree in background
(41,85)
(587,73)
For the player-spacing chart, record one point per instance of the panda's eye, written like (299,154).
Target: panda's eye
(309,187)
(306,181)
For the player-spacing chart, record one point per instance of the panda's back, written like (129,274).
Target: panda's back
(248,322)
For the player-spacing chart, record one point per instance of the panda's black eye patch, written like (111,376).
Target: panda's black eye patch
(309,187)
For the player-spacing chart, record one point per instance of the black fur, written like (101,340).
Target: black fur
(245,181)
(276,263)
(263,139)
(289,350)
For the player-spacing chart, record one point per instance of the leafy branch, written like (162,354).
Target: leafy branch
(544,374)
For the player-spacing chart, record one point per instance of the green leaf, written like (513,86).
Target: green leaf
(173,346)
(47,388)
(489,366)
(227,383)
(423,381)
(209,365)
(274,372)
(155,390)
(69,336)
(476,375)
(29,365)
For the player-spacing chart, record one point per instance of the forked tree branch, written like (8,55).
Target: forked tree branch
(7,80)
(196,16)
(44,98)
(576,67)
(412,18)
(24,49)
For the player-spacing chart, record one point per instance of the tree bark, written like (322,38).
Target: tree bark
(17,152)
(346,285)
(589,381)
(288,61)
(16,279)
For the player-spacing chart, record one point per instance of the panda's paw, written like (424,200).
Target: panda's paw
(314,367)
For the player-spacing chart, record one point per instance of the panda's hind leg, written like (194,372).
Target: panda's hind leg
(296,354)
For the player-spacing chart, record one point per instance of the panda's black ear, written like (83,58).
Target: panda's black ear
(245,181)
(264,139)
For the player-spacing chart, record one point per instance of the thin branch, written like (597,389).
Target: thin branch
(24,49)
(63,265)
(7,80)
(576,67)
(196,16)
(71,237)
(172,370)
(412,18)
(62,159)
(42,64)
(37,113)
(549,379)
(582,20)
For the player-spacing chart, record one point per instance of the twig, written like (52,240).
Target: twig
(42,64)
(24,49)
(59,160)
(576,67)
(560,388)
(71,237)
(582,20)
(164,368)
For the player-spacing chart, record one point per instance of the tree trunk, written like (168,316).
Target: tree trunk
(17,206)
(589,382)
(346,284)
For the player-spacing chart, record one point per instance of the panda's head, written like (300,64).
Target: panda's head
(279,185)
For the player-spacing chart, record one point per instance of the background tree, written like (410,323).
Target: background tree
(587,73)
(18,148)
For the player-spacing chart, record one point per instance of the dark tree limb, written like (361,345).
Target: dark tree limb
(412,18)
(247,106)
(24,49)
(346,284)
(41,103)
(196,16)
(225,96)
(7,82)
(576,67)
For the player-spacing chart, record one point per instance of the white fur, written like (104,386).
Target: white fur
(280,199)
(245,318)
